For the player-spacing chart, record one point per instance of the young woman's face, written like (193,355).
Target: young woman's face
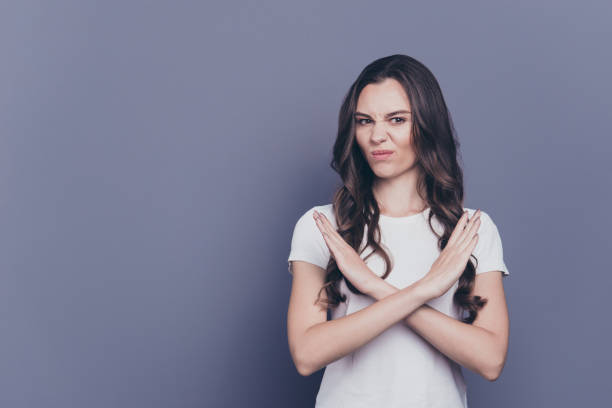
(383,123)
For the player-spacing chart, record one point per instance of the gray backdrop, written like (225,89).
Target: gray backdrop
(155,157)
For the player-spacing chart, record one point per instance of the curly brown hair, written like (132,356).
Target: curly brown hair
(440,182)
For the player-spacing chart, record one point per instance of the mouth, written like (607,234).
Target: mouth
(381,154)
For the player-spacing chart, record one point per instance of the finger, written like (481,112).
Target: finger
(474,242)
(470,220)
(323,219)
(463,256)
(472,245)
(328,233)
(458,229)
(469,231)
(472,231)
(330,244)
(333,241)
(331,231)
(320,225)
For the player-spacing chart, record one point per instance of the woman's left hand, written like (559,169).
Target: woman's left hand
(348,260)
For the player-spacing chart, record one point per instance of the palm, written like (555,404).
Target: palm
(451,262)
(348,260)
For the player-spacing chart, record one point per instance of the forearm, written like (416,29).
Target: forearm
(471,346)
(326,342)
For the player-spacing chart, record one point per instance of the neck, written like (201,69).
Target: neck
(398,196)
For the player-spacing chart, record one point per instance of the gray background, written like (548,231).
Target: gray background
(155,157)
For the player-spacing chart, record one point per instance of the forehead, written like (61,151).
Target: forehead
(383,97)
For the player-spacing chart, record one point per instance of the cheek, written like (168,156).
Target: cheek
(406,154)
(360,133)
(361,140)
(404,135)
(404,142)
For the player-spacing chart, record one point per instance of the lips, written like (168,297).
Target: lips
(381,154)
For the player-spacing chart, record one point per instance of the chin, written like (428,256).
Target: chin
(384,174)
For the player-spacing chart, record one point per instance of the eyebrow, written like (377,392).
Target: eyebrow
(388,115)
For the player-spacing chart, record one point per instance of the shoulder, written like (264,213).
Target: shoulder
(306,224)
(489,249)
(325,209)
(485,218)
(307,242)
(487,229)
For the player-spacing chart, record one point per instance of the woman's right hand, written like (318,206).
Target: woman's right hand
(452,260)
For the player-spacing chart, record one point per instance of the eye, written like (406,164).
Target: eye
(360,121)
(401,120)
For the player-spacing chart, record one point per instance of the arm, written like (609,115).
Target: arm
(314,342)
(481,346)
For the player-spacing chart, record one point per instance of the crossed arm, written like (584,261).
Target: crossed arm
(481,346)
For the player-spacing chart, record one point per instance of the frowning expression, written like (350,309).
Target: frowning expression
(383,123)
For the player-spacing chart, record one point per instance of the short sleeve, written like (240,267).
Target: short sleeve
(307,243)
(488,250)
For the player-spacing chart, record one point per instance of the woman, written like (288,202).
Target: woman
(413,279)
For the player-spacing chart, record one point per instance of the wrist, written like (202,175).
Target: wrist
(422,291)
(378,288)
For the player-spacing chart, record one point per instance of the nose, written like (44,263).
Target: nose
(379,133)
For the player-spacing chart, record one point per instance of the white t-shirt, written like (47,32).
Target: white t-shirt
(398,368)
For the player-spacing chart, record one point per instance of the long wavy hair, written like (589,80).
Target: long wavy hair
(440,182)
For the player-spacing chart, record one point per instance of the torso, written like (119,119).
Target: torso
(398,368)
